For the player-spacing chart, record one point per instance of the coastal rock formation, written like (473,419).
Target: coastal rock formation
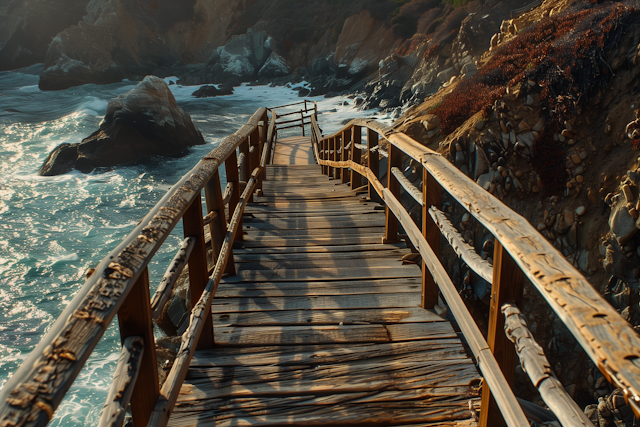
(143,122)
(27,27)
(118,39)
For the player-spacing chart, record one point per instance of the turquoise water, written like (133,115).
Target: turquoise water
(52,229)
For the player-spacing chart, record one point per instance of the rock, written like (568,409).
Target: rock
(593,196)
(621,223)
(143,122)
(529,100)
(431,122)
(480,124)
(576,159)
(210,91)
(568,218)
(580,210)
(567,134)
(526,138)
(446,75)
(274,66)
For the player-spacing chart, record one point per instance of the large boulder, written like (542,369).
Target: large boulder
(143,122)
(27,27)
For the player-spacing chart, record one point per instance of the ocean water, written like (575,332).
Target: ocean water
(52,229)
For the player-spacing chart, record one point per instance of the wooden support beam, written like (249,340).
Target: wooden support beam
(198,268)
(254,155)
(536,365)
(356,155)
(124,380)
(373,162)
(243,160)
(344,154)
(507,287)
(165,288)
(391,226)
(432,194)
(134,319)
(335,144)
(218,227)
(233,177)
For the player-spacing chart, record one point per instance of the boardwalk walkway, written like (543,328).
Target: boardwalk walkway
(322,324)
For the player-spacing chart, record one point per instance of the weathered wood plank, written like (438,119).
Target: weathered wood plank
(319,334)
(309,289)
(257,242)
(314,222)
(311,256)
(360,263)
(316,249)
(315,317)
(320,302)
(340,273)
(325,353)
(311,232)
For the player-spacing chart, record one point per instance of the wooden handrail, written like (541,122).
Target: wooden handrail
(606,337)
(38,386)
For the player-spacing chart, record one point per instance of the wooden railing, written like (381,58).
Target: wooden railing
(519,252)
(120,285)
(299,119)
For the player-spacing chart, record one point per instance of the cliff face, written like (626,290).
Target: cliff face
(27,27)
(120,38)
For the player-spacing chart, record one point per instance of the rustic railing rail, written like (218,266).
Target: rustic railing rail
(301,121)
(120,285)
(519,251)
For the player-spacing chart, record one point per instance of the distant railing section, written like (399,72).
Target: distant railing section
(120,285)
(519,251)
(296,121)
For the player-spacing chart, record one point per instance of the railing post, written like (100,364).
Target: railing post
(231,168)
(391,224)
(254,157)
(431,196)
(507,287)
(302,120)
(373,161)
(356,181)
(344,154)
(198,268)
(260,148)
(134,318)
(218,227)
(336,143)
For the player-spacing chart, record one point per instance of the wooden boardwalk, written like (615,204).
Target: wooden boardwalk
(322,324)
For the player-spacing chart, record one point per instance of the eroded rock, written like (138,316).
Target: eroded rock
(143,122)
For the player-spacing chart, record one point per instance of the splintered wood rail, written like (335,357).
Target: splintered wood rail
(307,306)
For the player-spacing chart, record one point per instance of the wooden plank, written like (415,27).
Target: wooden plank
(313,213)
(306,233)
(331,286)
(321,354)
(397,253)
(321,264)
(363,414)
(347,317)
(270,223)
(317,249)
(257,242)
(286,335)
(344,273)
(230,305)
